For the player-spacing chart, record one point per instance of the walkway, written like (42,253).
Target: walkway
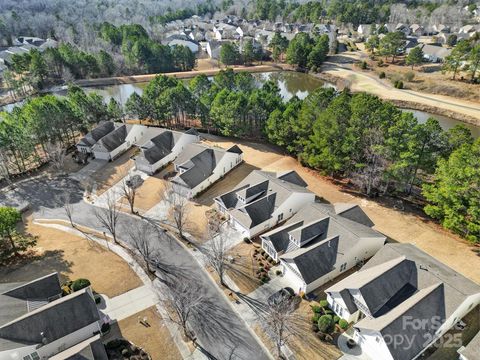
(127,304)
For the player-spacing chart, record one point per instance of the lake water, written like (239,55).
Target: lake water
(290,84)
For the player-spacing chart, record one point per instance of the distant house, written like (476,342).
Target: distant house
(224,31)
(417,30)
(364,29)
(163,149)
(213,49)
(118,141)
(36,322)
(86,143)
(435,54)
(200,166)
(192,45)
(472,350)
(398,289)
(320,242)
(441,28)
(403,28)
(262,200)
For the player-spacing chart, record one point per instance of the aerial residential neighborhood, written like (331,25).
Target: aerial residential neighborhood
(233,180)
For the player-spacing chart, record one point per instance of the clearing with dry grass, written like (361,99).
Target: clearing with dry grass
(243,271)
(154,339)
(72,257)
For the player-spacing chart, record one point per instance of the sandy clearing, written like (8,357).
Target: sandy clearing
(73,257)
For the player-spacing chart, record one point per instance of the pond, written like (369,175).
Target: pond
(290,84)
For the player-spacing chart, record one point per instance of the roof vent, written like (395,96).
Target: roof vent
(423,268)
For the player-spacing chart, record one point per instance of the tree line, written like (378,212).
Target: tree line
(379,148)
(28,132)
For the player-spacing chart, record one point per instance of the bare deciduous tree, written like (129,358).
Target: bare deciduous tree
(129,191)
(182,299)
(142,236)
(179,207)
(109,216)
(66,200)
(282,322)
(215,251)
(56,155)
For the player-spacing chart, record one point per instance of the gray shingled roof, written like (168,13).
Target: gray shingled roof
(159,147)
(90,349)
(14,298)
(254,189)
(408,282)
(56,320)
(315,260)
(97,133)
(114,139)
(313,224)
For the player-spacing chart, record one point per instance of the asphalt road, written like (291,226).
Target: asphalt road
(220,331)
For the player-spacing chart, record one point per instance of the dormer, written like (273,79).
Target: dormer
(252,193)
(309,232)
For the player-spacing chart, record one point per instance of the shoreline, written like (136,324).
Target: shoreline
(339,81)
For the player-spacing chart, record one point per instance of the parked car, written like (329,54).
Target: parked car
(280,296)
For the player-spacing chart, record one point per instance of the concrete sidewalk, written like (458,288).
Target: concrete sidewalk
(127,304)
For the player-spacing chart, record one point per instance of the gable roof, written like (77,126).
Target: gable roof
(313,224)
(90,349)
(18,299)
(199,161)
(159,146)
(103,128)
(114,139)
(261,193)
(316,260)
(407,281)
(55,320)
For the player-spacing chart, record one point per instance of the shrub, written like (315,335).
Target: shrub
(80,284)
(382,75)
(326,324)
(316,309)
(314,327)
(409,76)
(265,279)
(343,324)
(364,65)
(315,318)
(116,343)
(105,327)
(261,268)
(323,303)
(336,319)
(98,299)
(328,312)
(262,252)
(380,62)
(399,84)
(278,272)
(247,240)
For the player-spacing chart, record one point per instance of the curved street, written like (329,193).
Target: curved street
(221,333)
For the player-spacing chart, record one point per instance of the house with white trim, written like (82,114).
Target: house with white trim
(199,166)
(262,200)
(86,143)
(118,141)
(320,242)
(163,148)
(402,301)
(36,322)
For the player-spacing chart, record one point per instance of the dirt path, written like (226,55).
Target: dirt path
(463,110)
(179,75)
(401,226)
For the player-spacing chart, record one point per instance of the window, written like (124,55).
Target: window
(27,357)
(35,356)
(280,217)
(343,267)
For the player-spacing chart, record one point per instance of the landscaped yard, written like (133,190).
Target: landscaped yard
(154,339)
(73,257)
(113,171)
(403,226)
(243,272)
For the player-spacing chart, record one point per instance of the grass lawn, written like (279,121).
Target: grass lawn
(113,171)
(73,257)
(155,340)
(244,269)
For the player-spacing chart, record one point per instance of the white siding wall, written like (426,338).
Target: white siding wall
(373,344)
(335,301)
(227,163)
